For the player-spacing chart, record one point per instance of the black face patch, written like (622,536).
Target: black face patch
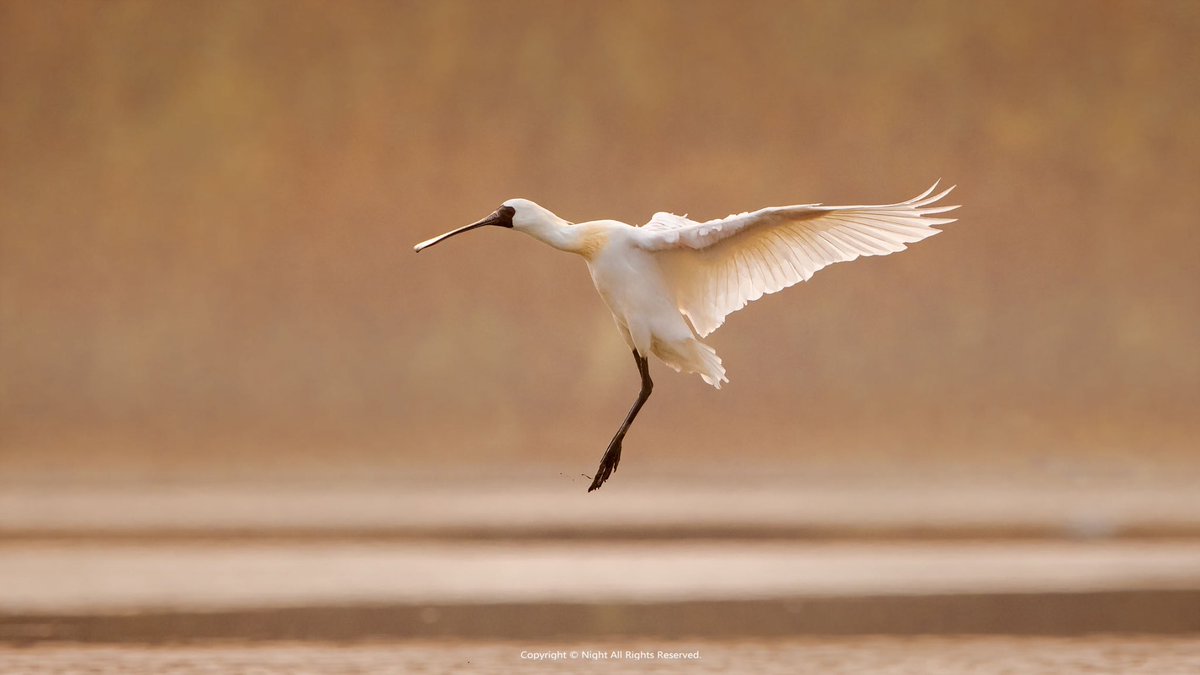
(504,216)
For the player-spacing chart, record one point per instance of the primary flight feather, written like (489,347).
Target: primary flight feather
(674,280)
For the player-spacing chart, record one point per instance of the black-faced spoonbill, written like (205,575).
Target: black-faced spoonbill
(655,276)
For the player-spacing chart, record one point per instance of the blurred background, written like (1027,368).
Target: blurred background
(235,404)
(207,213)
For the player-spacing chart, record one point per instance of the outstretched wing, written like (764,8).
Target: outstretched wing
(715,268)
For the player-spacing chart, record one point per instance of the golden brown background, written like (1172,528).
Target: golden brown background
(207,212)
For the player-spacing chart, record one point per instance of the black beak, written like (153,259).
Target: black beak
(501,218)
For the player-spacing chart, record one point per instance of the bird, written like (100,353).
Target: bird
(673,281)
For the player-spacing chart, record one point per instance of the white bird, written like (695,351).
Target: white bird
(673,280)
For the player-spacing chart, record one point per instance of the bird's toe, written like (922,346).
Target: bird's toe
(608,465)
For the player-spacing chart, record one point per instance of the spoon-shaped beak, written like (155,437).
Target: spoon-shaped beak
(498,218)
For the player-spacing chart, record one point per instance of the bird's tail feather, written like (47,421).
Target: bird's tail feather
(692,356)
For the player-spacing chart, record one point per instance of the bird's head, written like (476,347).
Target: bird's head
(518,214)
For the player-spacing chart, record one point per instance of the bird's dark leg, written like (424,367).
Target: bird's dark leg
(612,456)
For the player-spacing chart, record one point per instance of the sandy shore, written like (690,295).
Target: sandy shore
(785,507)
(895,656)
(158,564)
(126,592)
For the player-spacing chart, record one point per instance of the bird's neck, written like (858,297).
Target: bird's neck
(552,230)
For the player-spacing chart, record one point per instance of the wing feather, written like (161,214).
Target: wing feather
(716,267)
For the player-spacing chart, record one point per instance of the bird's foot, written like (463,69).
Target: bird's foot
(608,464)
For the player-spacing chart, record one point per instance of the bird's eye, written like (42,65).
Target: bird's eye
(505,214)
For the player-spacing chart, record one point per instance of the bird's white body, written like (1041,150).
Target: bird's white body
(673,281)
(630,280)
(657,278)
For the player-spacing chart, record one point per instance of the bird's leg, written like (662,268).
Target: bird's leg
(612,456)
